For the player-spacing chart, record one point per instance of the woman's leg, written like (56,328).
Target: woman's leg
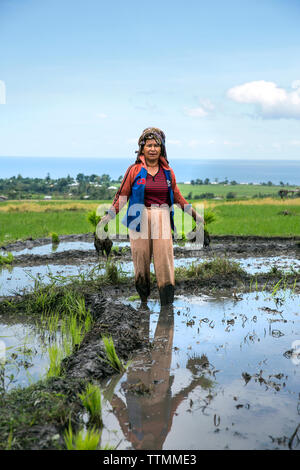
(163,256)
(141,250)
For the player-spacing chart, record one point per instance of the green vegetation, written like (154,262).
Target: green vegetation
(255,219)
(112,357)
(6,259)
(83,440)
(263,217)
(240,191)
(91,400)
(83,186)
(209,269)
(54,237)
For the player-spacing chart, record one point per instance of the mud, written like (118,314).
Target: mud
(232,246)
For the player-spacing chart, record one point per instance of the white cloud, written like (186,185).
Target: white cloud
(194,143)
(271,101)
(101,115)
(295,142)
(200,111)
(173,142)
(231,144)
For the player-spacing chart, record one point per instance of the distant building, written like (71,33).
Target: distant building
(187,182)
(3,198)
(47,197)
(112,187)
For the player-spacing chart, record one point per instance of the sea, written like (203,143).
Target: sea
(240,170)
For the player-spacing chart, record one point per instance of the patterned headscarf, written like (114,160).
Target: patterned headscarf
(152,133)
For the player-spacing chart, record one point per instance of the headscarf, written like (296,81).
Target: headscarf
(152,133)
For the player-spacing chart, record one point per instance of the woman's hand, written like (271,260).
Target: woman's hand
(102,224)
(199,220)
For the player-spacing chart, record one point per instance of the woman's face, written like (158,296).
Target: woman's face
(151,151)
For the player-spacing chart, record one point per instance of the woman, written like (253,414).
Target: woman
(151,187)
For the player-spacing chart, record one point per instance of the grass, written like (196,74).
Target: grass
(83,440)
(8,259)
(255,219)
(112,357)
(249,217)
(92,401)
(210,269)
(54,237)
(241,190)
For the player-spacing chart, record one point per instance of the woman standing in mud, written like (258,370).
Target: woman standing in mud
(151,187)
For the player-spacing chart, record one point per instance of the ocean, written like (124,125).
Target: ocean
(242,171)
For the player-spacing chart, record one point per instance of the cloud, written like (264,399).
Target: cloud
(101,115)
(272,102)
(200,111)
(173,142)
(232,144)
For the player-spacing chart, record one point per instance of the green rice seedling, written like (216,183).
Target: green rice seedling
(209,269)
(8,259)
(54,237)
(92,401)
(134,297)
(93,218)
(112,357)
(55,357)
(83,440)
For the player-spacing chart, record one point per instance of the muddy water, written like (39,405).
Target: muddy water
(220,375)
(25,358)
(14,279)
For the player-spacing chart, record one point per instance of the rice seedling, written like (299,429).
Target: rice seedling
(6,259)
(209,269)
(54,238)
(83,440)
(92,401)
(112,357)
(56,355)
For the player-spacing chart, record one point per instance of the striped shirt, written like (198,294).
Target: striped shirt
(156,190)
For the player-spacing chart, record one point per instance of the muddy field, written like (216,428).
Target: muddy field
(217,370)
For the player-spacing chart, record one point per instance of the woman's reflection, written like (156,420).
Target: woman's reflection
(146,417)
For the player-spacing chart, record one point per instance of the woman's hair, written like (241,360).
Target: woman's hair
(152,133)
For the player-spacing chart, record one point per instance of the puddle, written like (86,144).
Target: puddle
(14,279)
(26,357)
(263,265)
(218,377)
(50,248)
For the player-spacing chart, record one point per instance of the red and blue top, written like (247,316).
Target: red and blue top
(156,189)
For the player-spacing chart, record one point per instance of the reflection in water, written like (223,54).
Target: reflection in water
(146,415)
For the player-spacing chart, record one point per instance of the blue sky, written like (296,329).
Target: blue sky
(84,78)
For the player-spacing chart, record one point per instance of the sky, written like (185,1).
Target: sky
(83,78)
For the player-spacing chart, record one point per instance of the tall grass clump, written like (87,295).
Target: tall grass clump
(54,238)
(83,440)
(112,358)
(6,259)
(92,401)
(209,269)
(56,355)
